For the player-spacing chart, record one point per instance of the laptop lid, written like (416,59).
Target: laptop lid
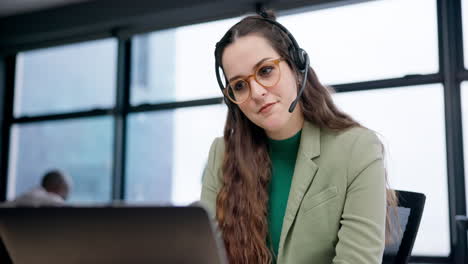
(110,235)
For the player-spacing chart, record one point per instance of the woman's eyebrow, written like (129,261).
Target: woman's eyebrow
(255,66)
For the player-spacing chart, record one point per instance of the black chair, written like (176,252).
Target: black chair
(406,224)
(4,256)
(462,226)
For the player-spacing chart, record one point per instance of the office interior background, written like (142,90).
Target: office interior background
(122,95)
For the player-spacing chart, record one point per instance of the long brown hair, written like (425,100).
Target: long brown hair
(242,202)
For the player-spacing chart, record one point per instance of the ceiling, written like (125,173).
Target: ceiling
(15,7)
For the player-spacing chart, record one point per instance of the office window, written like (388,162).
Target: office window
(370,40)
(465,30)
(176,64)
(82,148)
(67,78)
(414,138)
(167,152)
(464,104)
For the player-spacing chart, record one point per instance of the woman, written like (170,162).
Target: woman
(290,183)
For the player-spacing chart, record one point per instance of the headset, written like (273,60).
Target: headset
(298,55)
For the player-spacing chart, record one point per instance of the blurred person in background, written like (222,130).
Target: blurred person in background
(54,190)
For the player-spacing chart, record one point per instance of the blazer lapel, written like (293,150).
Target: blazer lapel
(304,173)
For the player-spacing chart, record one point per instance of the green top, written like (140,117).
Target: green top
(283,155)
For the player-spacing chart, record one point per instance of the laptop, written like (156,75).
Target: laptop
(122,234)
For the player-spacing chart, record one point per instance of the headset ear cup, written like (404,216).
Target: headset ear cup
(301,59)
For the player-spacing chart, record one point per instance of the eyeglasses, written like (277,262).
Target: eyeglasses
(267,74)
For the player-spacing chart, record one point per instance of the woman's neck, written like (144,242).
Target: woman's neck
(294,125)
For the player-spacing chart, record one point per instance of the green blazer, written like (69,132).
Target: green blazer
(337,202)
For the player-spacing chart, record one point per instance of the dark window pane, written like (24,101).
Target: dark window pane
(414,139)
(66,78)
(167,151)
(81,147)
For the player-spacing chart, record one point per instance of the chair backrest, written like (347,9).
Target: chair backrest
(462,226)
(4,256)
(406,225)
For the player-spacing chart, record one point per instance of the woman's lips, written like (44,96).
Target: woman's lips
(266,108)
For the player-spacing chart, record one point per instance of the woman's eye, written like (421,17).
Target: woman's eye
(265,71)
(239,86)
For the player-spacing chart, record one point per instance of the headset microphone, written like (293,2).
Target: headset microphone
(304,81)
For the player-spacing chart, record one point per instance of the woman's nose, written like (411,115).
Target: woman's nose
(257,90)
